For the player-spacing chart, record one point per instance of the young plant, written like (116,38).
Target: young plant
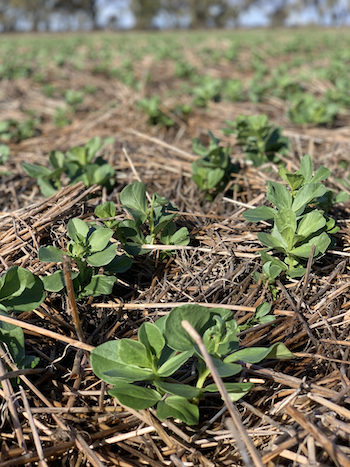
(79,164)
(12,130)
(91,249)
(153,217)
(152,107)
(73,97)
(209,89)
(306,108)
(261,141)
(234,90)
(212,171)
(260,316)
(163,348)
(4,155)
(297,226)
(61,117)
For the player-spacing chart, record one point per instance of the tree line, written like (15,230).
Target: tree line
(80,14)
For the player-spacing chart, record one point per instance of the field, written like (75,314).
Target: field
(138,188)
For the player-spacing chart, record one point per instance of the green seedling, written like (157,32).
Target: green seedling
(233,90)
(260,140)
(184,70)
(208,90)
(152,106)
(305,108)
(260,316)
(165,347)
(125,73)
(4,155)
(212,171)
(297,226)
(12,130)
(61,117)
(153,217)
(73,98)
(91,249)
(79,164)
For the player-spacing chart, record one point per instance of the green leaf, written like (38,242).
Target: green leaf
(133,199)
(175,335)
(268,258)
(100,285)
(262,310)
(47,187)
(170,236)
(109,365)
(136,397)
(183,390)
(311,223)
(55,282)
(35,171)
(99,239)
(51,254)
(306,194)
(118,265)
(57,159)
(107,209)
(294,180)
(256,354)
(13,337)
(306,168)
(104,257)
(12,283)
(78,155)
(133,353)
(225,368)
(270,241)
(92,146)
(178,407)
(174,363)
(235,390)
(342,197)
(286,219)
(31,297)
(321,174)
(278,195)
(99,174)
(161,219)
(321,243)
(262,213)
(151,337)
(77,230)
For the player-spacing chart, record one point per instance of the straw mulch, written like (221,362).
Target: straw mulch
(298,412)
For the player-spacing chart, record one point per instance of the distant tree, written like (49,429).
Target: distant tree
(69,7)
(145,11)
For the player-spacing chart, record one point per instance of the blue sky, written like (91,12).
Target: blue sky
(254,17)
